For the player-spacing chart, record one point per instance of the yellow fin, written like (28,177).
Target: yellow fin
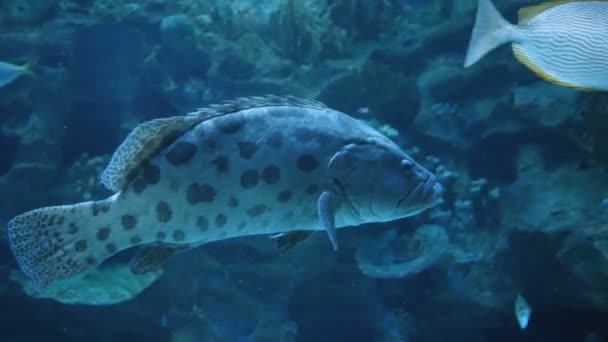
(523,58)
(526,14)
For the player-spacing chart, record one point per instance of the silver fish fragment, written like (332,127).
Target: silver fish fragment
(523,311)
(262,165)
(10,72)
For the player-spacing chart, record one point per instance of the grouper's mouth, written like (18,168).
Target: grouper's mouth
(424,195)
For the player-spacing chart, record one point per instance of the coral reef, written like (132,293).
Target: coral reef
(393,256)
(109,285)
(26,12)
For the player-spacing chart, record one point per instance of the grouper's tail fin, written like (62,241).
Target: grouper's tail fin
(58,242)
(489,32)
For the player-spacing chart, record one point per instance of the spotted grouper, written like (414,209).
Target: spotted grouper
(261,165)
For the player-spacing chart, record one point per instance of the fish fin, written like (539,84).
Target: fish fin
(526,14)
(523,58)
(55,243)
(150,257)
(486,34)
(522,311)
(243,103)
(326,208)
(289,240)
(140,145)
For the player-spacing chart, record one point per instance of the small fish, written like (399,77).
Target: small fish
(363,110)
(10,72)
(262,165)
(522,311)
(563,42)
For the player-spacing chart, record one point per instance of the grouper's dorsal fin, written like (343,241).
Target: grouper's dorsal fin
(526,14)
(150,137)
(243,103)
(141,144)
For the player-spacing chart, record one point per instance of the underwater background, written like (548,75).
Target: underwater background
(523,164)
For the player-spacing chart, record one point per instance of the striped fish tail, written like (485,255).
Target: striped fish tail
(490,31)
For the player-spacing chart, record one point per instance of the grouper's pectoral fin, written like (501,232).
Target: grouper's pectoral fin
(326,209)
(287,241)
(150,257)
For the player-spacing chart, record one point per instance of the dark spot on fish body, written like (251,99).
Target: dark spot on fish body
(138,185)
(230,126)
(246,149)
(181,152)
(111,248)
(271,174)
(80,246)
(312,189)
(200,193)
(128,222)
(211,144)
(284,196)
(257,210)
(307,162)
(179,235)
(90,261)
(202,223)
(207,193)
(73,228)
(103,233)
(163,212)
(160,236)
(220,220)
(233,202)
(242,225)
(100,207)
(221,164)
(135,240)
(56,220)
(249,179)
(149,175)
(192,194)
(275,140)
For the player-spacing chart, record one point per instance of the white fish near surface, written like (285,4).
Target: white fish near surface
(10,72)
(263,165)
(523,311)
(564,42)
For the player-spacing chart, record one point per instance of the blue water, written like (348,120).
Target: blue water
(522,163)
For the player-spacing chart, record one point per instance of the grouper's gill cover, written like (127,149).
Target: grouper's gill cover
(263,165)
